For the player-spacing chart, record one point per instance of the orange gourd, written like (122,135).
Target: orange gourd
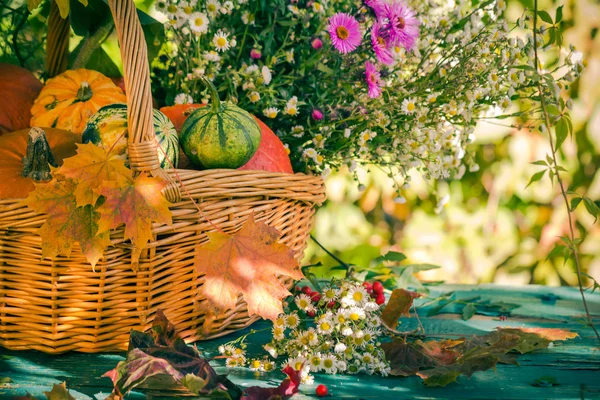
(25,156)
(71,98)
(271,155)
(179,113)
(18,90)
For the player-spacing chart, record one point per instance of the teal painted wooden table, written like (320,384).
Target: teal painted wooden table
(574,364)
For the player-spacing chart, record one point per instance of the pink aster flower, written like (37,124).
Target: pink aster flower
(381,46)
(317,44)
(377,6)
(402,25)
(317,115)
(372,76)
(345,34)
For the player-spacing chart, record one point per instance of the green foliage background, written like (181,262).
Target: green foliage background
(492,229)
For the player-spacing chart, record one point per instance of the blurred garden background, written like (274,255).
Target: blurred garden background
(488,227)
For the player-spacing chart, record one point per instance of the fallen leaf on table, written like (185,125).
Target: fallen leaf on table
(89,168)
(468,311)
(399,304)
(247,262)
(67,224)
(59,392)
(161,359)
(137,203)
(288,387)
(439,363)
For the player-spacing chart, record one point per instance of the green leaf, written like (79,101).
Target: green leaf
(562,131)
(545,17)
(325,69)
(4,380)
(193,383)
(559,14)
(557,251)
(553,110)
(536,177)
(437,309)
(391,256)
(85,20)
(540,162)
(33,4)
(154,33)
(591,207)
(468,311)
(100,61)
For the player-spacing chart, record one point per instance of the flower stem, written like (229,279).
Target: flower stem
(556,172)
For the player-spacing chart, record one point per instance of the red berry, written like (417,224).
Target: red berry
(373,295)
(321,391)
(306,290)
(311,313)
(380,299)
(297,289)
(377,287)
(331,304)
(368,286)
(315,297)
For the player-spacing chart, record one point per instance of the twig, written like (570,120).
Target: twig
(16,35)
(348,267)
(556,172)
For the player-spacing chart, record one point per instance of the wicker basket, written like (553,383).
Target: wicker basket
(62,305)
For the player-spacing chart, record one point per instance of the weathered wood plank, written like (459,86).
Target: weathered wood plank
(575,364)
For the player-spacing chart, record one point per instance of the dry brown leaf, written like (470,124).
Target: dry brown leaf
(399,304)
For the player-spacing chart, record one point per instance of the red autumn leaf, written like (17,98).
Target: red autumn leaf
(67,224)
(288,387)
(137,204)
(399,304)
(247,262)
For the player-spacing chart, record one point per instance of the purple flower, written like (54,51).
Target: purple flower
(372,76)
(345,34)
(317,115)
(380,45)
(255,54)
(377,6)
(401,26)
(317,44)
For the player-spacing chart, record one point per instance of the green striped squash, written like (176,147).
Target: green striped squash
(108,128)
(220,136)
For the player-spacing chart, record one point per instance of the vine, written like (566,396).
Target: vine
(562,128)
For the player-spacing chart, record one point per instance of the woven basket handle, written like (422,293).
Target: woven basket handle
(142,143)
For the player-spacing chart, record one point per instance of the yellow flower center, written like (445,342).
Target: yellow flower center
(342,32)
(221,42)
(325,326)
(198,21)
(354,316)
(292,321)
(380,41)
(357,296)
(172,8)
(328,363)
(211,7)
(400,23)
(410,107)
(432,99)
(256,364)
(298,366)
(188,10)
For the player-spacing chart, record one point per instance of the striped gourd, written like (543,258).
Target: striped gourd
(220,136)
(108,128)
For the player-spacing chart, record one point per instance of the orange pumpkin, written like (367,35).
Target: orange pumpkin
(25,156)
(271,155)
(179,113)
(18,90)
(71,98)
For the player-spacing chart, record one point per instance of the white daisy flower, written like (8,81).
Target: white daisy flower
(256,365)
(325,326)
(432,98)
(303,301)
(198,22)
(298,363)
(409,106)
(171,10)
(247,18)
(291,109)
(298,131)
(341,365)
(315,361)
(212,7)
(292,320)
(176,21)
(307,379)
(212,56)
(505,103)
(254,97)
(356,313)
(328,363)
(185,9)
(232,362)
(278,332)
(161,6)
(318,7)
(347,331)
(266,73)
(221,41)
(358,295)
(340,348)
(271,112)
(271,350)
(309,153)
(183,98)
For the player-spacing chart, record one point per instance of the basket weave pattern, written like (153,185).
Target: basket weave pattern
(63,305)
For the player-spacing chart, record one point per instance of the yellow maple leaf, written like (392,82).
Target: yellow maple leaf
(137,203)
(59,392)
(90,167)
(67,223)
(247,262)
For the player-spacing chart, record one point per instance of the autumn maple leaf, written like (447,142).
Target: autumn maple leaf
(399,304)
(90,167)
(67,223)
(247,262)
(137,203)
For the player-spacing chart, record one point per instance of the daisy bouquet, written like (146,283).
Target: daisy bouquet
(395,84)
(332,330)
